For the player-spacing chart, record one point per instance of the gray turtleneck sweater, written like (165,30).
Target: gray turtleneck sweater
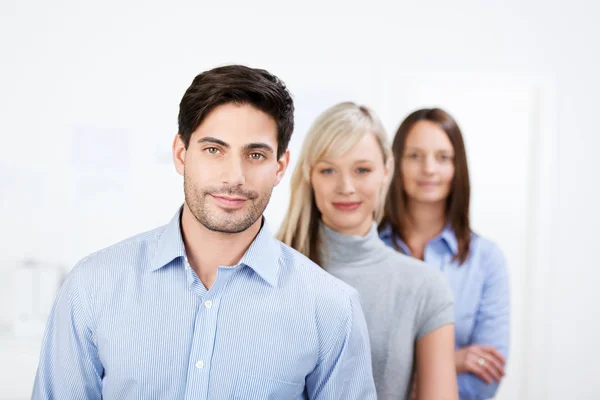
(403,299)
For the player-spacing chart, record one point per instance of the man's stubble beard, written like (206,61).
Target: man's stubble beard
(222,220)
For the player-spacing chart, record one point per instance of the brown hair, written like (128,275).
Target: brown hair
(457,203)
(240,85)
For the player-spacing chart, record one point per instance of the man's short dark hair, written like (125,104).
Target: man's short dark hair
(240,85)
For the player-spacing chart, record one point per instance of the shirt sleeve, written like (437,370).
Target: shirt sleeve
(345,370)
(69,366)
(491,323)
(436,304)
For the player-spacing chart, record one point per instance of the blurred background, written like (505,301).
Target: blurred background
(89,96)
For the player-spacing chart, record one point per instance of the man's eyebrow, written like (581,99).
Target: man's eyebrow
(209,139)
(257,146)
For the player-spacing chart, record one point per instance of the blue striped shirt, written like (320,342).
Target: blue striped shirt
(133,321)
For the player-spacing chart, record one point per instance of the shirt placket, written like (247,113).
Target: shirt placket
(205,329)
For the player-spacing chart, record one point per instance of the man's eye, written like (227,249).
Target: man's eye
(256,156)
(211,150)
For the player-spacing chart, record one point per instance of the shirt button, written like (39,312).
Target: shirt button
(208,304)
(200,364)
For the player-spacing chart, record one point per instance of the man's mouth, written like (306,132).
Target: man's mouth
(229,201)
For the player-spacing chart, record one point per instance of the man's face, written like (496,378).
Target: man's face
(230,167)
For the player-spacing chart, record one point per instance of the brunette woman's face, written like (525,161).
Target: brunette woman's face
(427,163)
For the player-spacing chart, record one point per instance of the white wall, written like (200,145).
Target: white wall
(69,66)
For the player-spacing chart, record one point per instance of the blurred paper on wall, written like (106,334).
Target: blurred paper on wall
(101,161)
(100,176)
(36,284)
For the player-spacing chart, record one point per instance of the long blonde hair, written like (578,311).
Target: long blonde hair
(334,132)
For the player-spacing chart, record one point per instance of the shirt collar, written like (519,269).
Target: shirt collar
(262,256)
(390,239)
(447,236)
(170,243)
(385,233)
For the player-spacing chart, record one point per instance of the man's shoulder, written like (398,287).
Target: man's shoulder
(329,302)
(136,250)
(315,281)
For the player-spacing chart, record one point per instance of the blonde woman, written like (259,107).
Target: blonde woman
(338,188)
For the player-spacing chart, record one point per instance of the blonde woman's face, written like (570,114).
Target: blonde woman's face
(347,188)
(427,163)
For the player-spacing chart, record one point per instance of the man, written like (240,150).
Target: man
(211,306)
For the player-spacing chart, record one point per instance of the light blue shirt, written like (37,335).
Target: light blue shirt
(481,297)
(133,321)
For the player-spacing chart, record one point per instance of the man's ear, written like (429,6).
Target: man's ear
(282,165)
(179,151)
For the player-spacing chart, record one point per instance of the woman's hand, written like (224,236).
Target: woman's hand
(484,361)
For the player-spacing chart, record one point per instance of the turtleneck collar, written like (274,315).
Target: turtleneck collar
(338,249)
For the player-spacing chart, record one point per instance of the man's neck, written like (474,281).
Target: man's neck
(208,250)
